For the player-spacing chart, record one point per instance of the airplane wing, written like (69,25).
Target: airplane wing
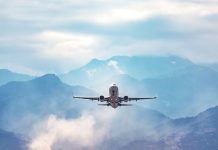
(137,98)
(140,98)
(90,98)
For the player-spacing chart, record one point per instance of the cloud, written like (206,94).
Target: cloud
(91,130)
(53,36)
(85,132)
(58,50)
(141,10)
(100,12)
(65,45)
(114,64)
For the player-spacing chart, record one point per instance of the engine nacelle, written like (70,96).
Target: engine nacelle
(125,98)
(101,98)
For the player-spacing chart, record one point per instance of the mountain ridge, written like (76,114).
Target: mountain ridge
(7,76)
(186,134)
(10,141)
(36,99)
(130,65)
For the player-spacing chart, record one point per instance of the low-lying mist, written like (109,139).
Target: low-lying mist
(103,128)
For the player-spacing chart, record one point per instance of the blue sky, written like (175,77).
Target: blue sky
(59,35)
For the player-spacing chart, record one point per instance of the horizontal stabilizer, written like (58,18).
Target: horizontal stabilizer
(104,104)
(125,104)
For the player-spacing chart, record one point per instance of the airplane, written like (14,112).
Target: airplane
(114,100)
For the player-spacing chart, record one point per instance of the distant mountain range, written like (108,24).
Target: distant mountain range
(7,76)
(183,87)
(138,67)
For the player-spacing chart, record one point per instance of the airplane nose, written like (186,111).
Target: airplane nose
(113,84)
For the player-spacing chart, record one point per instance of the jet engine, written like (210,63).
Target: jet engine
(101,98)
(125,98)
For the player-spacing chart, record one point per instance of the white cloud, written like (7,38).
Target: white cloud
(141,10)
(86,132)
(49,51)
(58,133)
(33,40)
(65,45)
(114,64)
(100,12)
(91,130)
(66,48)
(200,49)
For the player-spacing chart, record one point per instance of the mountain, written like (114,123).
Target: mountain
(7,76)
(132,123)
(26,102)
(189,93)
(141,67)
(203,130)
(212,66)
(199,132)
(10,141)
(183,87)
(138,67)
(90,74)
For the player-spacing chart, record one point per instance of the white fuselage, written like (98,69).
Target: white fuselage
(114,96)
